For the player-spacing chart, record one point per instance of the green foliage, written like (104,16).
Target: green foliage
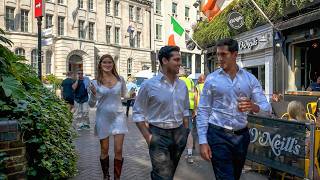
(206,33)
(52,79)
(44,119)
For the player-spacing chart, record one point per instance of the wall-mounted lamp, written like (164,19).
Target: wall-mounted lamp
(278,39)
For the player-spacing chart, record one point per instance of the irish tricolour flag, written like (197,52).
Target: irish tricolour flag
(176,29)
(212,8)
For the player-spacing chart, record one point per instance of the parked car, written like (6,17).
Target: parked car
(141,76)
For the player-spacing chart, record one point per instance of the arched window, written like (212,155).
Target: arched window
(20,52)
(48,61)
(34,58)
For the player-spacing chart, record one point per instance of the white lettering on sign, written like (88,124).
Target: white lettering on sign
(277,143)
(248,44)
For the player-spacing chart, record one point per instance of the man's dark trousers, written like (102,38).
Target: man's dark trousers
(229,152)
(165,149)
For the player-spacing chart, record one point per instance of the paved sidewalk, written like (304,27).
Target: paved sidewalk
(137,164)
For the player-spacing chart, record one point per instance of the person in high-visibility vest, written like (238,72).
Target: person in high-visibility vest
(191,89)
(198,89)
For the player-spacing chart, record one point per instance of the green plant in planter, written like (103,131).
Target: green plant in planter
(44,119)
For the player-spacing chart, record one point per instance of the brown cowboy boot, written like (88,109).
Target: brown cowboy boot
(117,168)
(105,168)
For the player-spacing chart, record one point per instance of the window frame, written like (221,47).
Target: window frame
(49,16)
(158,31)
(90,5)
(9,17)
(80,4)
(108,34)
(131,12)
(158,6)
(81,29)
(91,31)
(24,20)
(108,7)
(174,10)
(117,35)
(61,25)
(116,8)
(138,39)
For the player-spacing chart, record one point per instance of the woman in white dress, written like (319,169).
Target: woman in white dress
(106,93)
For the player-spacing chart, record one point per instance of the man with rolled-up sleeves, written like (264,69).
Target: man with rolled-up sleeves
(229,93)
(163,104)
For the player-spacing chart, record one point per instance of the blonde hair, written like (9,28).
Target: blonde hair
(296,111)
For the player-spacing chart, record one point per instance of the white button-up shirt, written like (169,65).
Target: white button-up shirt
(219,101)
(161,103)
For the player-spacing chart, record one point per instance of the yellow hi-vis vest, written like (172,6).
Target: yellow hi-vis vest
(190,86)
(199,89)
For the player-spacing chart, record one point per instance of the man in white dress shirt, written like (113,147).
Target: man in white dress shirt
(163,103)
(229,93)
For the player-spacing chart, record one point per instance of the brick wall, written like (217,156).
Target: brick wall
(11,145)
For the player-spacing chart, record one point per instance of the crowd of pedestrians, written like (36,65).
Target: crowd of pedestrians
(167,107)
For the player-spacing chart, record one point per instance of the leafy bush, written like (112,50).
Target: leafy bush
(44,119)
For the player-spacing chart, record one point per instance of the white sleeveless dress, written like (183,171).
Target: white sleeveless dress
(110,117)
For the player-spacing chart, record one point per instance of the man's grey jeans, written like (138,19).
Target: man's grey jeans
(166,147)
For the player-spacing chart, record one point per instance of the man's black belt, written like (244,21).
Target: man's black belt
(236,132)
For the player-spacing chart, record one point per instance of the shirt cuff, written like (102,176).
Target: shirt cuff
(138,118)
(203,139)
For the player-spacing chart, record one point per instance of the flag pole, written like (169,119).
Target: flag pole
(191,38)
(263,14)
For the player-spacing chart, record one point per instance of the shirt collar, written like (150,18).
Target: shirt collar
(221,71)
(162,77)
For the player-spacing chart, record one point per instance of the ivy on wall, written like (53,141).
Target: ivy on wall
(206,33)
(44,119)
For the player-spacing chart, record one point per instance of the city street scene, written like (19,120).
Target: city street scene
(160,89)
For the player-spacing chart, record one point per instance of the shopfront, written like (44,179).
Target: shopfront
(256,55)
(298,50)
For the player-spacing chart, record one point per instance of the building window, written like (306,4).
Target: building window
(131,39)
(186,61)
(24,20)
(174,8)
(60,1)
(91,31)
(116,8)
(108,34)
(129,66)
(90,5)
(80,4)
(116,35)
(131,13)
(138,12)
(158,31)
(108,7)
(48,21)
(9,19)
(48,62)
(34,58)
(138,39)
(20,52)
(60,26)
(186,13)
(198,63)
(81,29)
(158,6)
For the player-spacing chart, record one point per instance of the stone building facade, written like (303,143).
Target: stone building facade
(84,30)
